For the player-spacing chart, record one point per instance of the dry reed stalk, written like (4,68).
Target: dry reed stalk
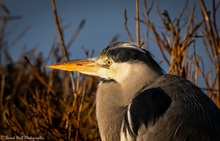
(126,26)
(211,36)
(76,33)
(137,23)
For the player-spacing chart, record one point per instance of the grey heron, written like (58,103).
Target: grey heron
(137,100)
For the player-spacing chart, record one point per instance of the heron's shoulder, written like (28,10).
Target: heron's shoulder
(169,81)
(169,78)
(145,109)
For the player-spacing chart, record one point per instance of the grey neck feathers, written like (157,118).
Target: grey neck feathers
(140,76)
(108,111)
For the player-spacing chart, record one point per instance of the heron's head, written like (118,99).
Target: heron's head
(115,62)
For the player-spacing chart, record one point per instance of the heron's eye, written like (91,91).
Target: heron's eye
(109,62)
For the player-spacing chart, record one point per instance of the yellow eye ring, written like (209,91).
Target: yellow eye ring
(108,62)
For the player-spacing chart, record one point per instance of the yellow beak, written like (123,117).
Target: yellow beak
(88,66)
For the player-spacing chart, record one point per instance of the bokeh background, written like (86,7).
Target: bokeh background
(103,21)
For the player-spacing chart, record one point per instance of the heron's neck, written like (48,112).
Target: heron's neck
(109,111)
(139,78)
(113,97)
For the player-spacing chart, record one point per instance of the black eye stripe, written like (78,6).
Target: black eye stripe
(129,52)
(124,54)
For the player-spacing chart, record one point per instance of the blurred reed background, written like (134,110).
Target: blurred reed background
(58,105)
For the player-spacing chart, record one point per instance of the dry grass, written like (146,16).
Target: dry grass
(32,103)
(181,62)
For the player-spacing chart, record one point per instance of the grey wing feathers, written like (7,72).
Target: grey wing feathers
(145,110)
(172,109)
